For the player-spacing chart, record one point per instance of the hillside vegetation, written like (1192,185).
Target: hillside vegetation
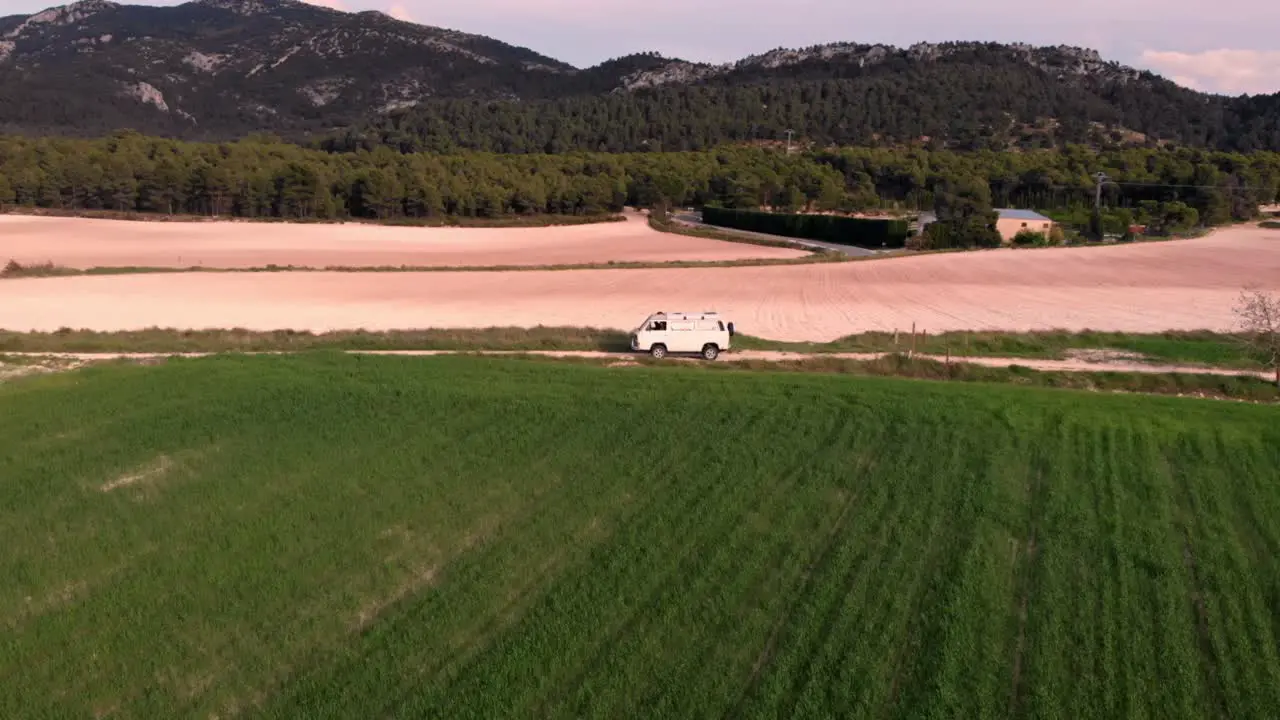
(221,69)
(326,536)
(262,178)
(984,99)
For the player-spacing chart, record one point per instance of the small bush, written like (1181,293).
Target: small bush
(1030,238)
(1270,224)
(15,269)
(919,241)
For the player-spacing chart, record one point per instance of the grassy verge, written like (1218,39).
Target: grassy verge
(14,270)
(515,221)
(1191,348)
(1183,384)
(320,536)
(1246,388)
(239,340)
(1198,347)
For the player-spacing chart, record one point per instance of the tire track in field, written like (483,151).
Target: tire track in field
(1230,668)
(519,600)
(1217,669)
(696,496)
(827,447)
(300,689)
(952,512)
(824,608)
(727,557)
(1036,490)
(788,611)
(651,522)
(729,527)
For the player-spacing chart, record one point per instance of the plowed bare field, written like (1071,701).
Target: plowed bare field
(86,243)
(1182,285)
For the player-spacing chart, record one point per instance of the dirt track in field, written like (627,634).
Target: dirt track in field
(1180,285)
(86,243)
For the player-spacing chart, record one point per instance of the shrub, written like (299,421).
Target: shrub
(15,269)
(919,241)
(1270,224)
(1030,238)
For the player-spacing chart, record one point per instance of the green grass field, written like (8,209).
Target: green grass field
(327,536)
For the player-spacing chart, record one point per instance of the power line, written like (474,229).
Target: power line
(1196,187)
(1079,188)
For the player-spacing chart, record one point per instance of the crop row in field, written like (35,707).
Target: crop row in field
(335,536)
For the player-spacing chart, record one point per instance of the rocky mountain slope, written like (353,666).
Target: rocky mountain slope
(213,67)
(226,68)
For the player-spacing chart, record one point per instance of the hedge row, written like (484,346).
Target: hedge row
(863,232)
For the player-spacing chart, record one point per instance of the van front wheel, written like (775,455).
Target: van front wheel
(710,352)
(659,351)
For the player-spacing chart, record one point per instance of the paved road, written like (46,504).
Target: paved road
(1075,365)
(695,219)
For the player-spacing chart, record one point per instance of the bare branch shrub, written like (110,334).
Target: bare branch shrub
(1258,313)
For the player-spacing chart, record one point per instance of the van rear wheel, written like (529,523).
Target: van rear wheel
(659,351)
(710,351)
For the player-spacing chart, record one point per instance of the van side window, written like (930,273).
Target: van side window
(720,324)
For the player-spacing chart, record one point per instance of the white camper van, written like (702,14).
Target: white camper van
(703,333)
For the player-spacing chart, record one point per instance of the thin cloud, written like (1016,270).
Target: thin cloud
(1233,72)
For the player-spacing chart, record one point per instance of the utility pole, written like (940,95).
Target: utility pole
(789,134)
(1099,179)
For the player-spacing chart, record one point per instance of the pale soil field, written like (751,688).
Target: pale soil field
(1178,285)
(87,242)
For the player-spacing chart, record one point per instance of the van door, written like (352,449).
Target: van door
(684,339)
(655,333)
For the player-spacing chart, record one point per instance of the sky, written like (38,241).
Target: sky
(1226,46)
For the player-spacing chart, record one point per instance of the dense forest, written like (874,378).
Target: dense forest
(955,106)
(261,177)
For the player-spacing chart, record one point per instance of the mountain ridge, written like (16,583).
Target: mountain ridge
(219,69)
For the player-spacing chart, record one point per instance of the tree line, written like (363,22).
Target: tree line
(267,178)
